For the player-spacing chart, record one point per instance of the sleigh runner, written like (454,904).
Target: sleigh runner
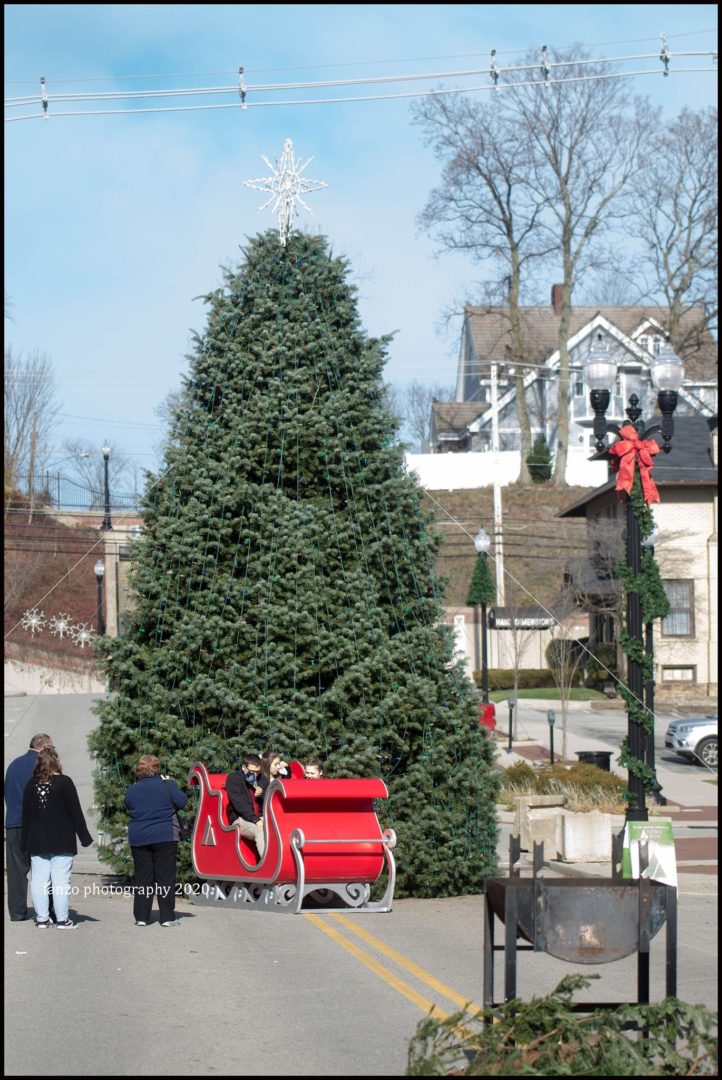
(324,846)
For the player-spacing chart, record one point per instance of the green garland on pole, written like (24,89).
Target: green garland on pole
(482,589)
(655,605)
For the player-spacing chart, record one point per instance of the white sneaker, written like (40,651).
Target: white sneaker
(68,924)
(173,922)
(139,923)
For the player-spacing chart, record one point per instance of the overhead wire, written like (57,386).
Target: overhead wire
(244,103)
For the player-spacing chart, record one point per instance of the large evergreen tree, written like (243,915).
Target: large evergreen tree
(285,593)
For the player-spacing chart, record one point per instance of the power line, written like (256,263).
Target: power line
(116,95)
(245,104)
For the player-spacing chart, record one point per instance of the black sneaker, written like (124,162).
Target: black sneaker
(67,924)
(43,924)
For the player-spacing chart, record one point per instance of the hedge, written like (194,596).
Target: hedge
(528,678)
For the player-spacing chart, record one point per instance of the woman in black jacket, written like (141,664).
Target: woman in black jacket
(52,818)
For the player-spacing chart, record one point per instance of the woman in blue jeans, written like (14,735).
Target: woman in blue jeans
(152,834)
(52,819)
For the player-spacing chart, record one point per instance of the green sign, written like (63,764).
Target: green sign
(661,860)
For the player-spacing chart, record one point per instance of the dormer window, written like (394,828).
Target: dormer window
(644,342)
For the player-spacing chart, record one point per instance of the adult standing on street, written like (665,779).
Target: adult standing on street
(153,833)
(17,861)
(52,818)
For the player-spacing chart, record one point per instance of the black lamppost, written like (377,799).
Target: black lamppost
(599,374)
(106,517)
(482,544)
(99,572)
(656,790)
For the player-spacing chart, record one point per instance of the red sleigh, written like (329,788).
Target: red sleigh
(324,845)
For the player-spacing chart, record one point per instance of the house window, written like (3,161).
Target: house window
(679,674)
(680,620)
(644,342)
(579,384)
(657,346)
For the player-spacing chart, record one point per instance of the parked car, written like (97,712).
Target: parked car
(694,738)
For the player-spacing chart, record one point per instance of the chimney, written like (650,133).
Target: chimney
(557,298)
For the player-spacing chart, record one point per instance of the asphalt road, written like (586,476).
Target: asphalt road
(233,992)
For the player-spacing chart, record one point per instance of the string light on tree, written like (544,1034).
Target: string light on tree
(34,621)
(286,186)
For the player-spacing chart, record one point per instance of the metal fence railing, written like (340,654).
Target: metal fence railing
(57,492)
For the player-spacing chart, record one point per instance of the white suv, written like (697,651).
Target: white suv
(694,738)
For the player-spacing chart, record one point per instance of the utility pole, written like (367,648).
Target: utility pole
(498,533)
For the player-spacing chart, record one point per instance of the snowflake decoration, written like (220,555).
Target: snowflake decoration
(60,625)
(286,186)
(33,620)
(82,634)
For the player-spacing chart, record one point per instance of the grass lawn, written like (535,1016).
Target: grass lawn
(549,693)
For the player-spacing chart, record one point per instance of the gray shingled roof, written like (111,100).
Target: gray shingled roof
(491,334)
(688,462)
(455,416)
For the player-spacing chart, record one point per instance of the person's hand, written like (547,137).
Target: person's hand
(259,790)
(164,777)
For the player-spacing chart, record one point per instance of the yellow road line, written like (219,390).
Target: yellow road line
(423,1003)
(463,1003)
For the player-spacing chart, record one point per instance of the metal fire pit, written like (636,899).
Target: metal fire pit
(580,920)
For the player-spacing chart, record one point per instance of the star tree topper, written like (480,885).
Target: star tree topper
(286,186)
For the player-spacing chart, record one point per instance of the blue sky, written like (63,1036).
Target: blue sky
(114,223)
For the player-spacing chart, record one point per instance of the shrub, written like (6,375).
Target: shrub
(528,678)
(602,667)
(546,1037)
(587,787)
(539,461)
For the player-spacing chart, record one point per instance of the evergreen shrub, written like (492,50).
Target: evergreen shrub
(528,678)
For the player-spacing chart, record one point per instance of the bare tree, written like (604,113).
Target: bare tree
(30,414)
(486,207)
(586,138)
(415,401)
(89,466)
(565,656)
(169,411)
(674,212)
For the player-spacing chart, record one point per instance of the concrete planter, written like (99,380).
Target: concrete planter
(567,835)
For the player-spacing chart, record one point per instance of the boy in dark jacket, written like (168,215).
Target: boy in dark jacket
(245,796)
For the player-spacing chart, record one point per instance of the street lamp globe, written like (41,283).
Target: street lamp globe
(666,369)
(99,568)
(599,367)
(106,450)
(482,542)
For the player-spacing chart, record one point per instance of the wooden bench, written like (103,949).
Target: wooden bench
(324,844)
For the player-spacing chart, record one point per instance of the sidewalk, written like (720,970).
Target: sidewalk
(691,799)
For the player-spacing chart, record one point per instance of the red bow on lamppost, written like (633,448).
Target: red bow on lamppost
(628,450)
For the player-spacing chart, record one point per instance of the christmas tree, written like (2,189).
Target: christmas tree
(284,583)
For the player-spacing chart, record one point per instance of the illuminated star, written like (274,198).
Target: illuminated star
(286,186)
